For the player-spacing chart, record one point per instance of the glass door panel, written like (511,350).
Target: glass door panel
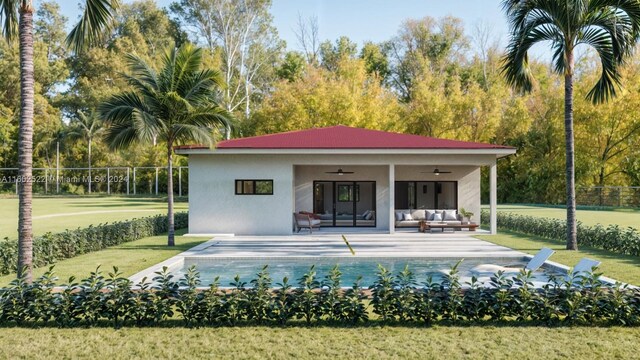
(365,203)
(425,195)
(345,198)
(323,202)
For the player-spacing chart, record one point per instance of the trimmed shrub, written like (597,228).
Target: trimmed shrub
(111,300)
(613,238)
(49,248)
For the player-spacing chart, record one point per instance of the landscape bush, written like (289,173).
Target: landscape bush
(613,237)
(49,248)
(111,300)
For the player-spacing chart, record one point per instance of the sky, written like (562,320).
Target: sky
(363,20)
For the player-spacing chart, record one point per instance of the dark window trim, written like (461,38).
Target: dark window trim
(254,186)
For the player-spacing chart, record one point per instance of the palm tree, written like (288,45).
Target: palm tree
(86,127)
(174,105)
(16,18)
(610,27)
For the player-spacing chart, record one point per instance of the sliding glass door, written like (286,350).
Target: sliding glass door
(345,203)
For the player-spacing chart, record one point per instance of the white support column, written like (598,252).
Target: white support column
(392,198)
(493,197)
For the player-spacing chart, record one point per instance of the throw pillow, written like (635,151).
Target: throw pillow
(437,217)
(450,215)
(430,214)
(398,215)
(407,217)
(369,215)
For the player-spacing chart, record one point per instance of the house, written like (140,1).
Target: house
(350,177)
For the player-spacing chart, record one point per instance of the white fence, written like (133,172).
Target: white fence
(110,180)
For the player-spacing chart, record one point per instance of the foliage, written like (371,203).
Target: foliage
(50,248)
(111,299)
(613,237)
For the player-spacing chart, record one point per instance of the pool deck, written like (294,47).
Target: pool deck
(458,245)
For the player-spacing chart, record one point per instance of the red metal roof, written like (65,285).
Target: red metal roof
(344,137)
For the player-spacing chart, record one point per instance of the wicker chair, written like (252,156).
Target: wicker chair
(305,221)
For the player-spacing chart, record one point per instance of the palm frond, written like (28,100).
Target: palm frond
(9,18)
(141,72)
(95,19)
(185,133)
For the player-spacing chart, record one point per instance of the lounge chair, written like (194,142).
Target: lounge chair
(585,266)
(534,264)
(305,221)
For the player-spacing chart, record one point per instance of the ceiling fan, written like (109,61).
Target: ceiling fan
(339,172)
(436,172)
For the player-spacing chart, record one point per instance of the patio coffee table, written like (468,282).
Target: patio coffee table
(453,227)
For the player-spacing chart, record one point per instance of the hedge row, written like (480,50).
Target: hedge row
(399,297)
(613,237)
(49,248)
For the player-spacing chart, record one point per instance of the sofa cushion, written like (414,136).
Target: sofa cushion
(449,215)
(399,216)
(437,217)
(407,217)
(430,213)
(418,214)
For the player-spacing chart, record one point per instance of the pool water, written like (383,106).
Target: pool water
(351,268)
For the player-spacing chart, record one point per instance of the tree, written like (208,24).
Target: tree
(375,60)
(16,17)
(173,105)
(307,33)
(350,96)
(331,55)
(250,45)
(426,43)
(292,67)
(88,128)
(610,27)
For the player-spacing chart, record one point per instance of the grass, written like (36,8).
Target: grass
(624,268)
(56,214)
(373,342)
(622,217)
(130,257)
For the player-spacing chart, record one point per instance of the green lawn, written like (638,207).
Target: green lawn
(625,268)
(130,257)
(622,217)
(55,214)
(373,342)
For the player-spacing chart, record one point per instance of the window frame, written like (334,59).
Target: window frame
(254,181)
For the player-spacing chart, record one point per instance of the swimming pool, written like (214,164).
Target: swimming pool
(351,268)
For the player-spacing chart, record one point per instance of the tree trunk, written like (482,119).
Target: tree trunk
(25,142)
(171,238)
(90,167)
(572,241)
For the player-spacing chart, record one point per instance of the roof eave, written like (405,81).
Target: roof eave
(499,152)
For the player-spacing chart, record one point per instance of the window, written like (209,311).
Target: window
(254,187)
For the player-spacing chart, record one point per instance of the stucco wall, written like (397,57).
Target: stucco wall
(214,207)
